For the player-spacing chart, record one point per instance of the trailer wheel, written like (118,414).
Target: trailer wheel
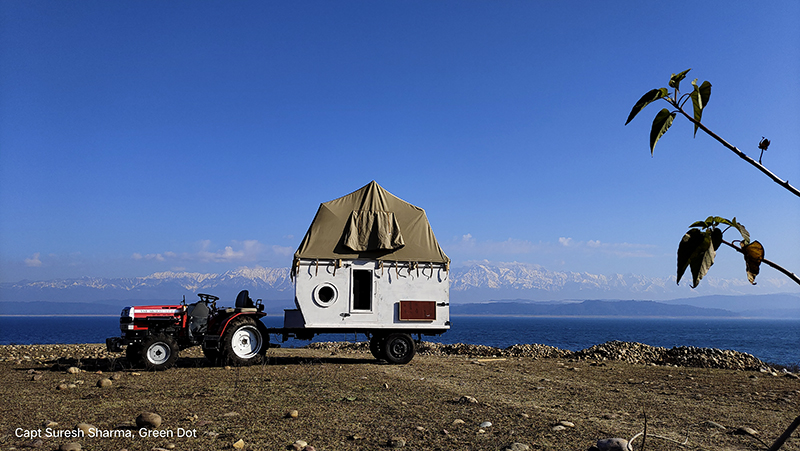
(376,346)
(134,354)
(398,348)
(244,343)
(159,352)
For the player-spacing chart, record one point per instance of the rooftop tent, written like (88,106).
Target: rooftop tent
(371,224)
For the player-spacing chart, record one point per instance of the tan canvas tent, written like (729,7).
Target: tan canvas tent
(371,224)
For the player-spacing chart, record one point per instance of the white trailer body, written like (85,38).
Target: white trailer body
(364,294)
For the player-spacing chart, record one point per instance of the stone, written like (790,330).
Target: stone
(292,414)
(116,376)
(558,428)
(49,424)
(309,448)
(467,400)
(611,444)
(86,428)
(517,446)
(72,446)
(36,377)
(485,424)
(148,420)
(231,414)
(104,383)
(73,370)
(61,387)
(301,443)
(746,431)
(170,446)
(239,444)
(568,424)
(458,421)
(397,442)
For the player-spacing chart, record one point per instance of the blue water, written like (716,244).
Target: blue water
(775,341)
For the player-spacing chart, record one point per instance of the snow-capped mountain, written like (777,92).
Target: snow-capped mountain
(472,283)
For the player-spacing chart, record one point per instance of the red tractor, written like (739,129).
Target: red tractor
(155,334)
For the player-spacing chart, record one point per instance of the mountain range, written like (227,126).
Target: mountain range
(477,282)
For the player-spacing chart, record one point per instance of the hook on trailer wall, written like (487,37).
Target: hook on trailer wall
(316,269)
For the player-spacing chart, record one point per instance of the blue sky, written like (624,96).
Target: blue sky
(138,137)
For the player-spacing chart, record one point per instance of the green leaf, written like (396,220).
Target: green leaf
(661,124)
(649,97)
(700,96)
(705,93)
(675,79)
(697,251)
(687,247)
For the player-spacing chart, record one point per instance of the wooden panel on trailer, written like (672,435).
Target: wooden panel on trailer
(417,311)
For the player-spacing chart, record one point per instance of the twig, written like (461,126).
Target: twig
(785,436)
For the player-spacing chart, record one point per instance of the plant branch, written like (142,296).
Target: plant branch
(742,155)
(776,266)
(788,432)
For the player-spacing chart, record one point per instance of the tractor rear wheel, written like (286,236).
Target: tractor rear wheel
(159,352)
(244,343)
(398,348)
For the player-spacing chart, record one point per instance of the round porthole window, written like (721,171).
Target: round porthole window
(325,294)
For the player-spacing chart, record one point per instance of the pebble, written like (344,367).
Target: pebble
(517,446)
(170,446)
(104,383)
(458,421)
(712,424)
(148,420)
(397,442)
(73,370)
(239,444)
(611,444)
(231,414)
(72,446)
(86,428)
(301,443)
(558,428)
(36,377)
(485,424)
(568,424)
(292,414)
(467,400)
(62,387)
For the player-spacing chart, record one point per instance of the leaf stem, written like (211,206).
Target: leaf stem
(776,266)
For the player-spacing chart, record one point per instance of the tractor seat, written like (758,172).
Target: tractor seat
(243,300)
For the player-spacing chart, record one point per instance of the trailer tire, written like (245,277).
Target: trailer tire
(398,348)
(133,352)
(244,342)
(159,352)
(376,346)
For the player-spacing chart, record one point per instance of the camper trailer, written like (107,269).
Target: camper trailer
(369,264)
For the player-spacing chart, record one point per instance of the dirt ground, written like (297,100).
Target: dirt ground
(349,401)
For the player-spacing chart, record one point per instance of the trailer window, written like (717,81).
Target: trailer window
(362,289)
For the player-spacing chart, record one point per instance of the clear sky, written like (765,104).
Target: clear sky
(148,136)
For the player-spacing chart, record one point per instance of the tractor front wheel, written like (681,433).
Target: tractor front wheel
(244,343)
(159,352)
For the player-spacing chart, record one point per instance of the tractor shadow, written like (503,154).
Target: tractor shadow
(121,364)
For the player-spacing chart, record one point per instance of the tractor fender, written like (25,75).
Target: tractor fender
(223,325)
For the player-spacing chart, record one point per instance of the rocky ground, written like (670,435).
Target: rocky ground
(335,396)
